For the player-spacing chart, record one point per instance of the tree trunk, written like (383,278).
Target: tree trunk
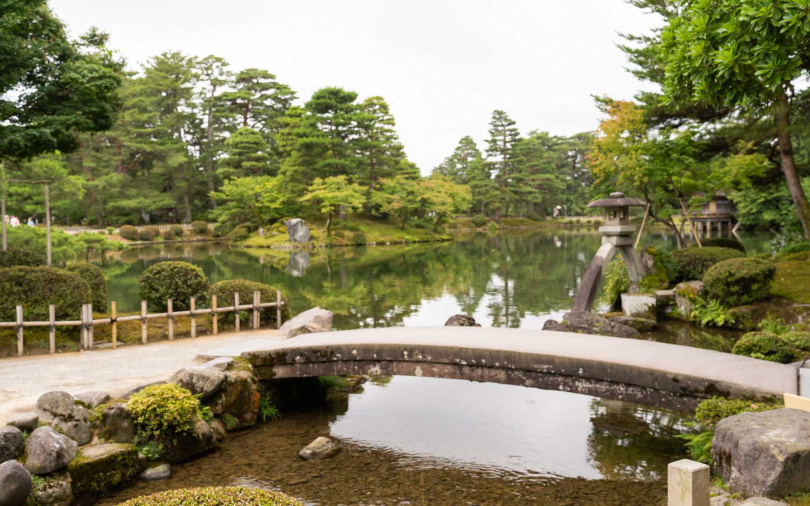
(794,183)
(209,156)
(329,225)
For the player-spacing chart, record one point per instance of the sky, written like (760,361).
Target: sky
(442,65)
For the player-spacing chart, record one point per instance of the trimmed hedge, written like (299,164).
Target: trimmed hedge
(178,230)
(214,496)
(739,281)
(479,220)
(128,232)
(94,277)
(722,242)
(764,346)
(179,281)
(168,234)
(21,257)
(147,234)
(224,291)
(199,227)
(35,288)
(692,263)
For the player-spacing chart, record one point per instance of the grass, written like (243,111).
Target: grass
(793,281)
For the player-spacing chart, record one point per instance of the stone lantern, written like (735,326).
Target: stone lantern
(617,236)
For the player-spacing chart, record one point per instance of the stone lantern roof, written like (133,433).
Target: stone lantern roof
(617,199)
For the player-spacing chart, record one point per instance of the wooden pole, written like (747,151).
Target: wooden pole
(193,308)
(278,309)
(114,324)
(257,296)
(641,230)
(90,343)
(20,338)
(48,223)
(52,328)
(143,322)
(3,214)
(170,317)
(689,220)
(236,310)
(83,331)
(214,315)
(688,484)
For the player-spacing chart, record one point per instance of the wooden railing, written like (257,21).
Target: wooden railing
(88,323)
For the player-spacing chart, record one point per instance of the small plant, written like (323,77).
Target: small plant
(615,282)
(798,340)
(204,412)
(110,230)
(162,411)
(199,227)
(214,496)
(267,411)
(764,346)
(774,326)
(710,313)
(699,445)
(230,421)
(152,450)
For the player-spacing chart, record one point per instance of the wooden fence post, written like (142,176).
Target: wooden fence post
(278,309)
(52,328)
(170,318)
(83,331)
(90,343)
(143,321)
(20,338)
(113,325)
(688,484)
(214,315)
(193,314)
(257,297)
(236,310)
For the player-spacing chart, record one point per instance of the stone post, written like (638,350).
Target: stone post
(688,484)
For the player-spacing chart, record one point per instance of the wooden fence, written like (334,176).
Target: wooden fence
(87,323)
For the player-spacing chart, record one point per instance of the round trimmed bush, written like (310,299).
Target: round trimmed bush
(214,496)
(359,239)
(94,277)
(722,242)
(692,263)
(178,230)
(163,410)
(199,227)
(21,257)
(147,234)
(128,232)
(764,346)
(167,234)
(479,220)
(739,281)
(797,340)
(240,233)
(179,281)
(34,288)
(224,291)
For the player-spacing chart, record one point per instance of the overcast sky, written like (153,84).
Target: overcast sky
(442,65)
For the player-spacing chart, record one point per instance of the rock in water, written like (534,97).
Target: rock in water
(199,381)
(24,421)
(310,321)
(321,448)
(299,263)
(584,322)
(461,320)
(765,454)
(49,451)
(12,443)
(298,230)
(59,410)
(100,469)
(15,484)
(157,473)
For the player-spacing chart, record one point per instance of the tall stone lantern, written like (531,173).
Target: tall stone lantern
(617,236)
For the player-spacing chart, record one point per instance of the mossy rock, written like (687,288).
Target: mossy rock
(101,469)
(764,346)
(215,496)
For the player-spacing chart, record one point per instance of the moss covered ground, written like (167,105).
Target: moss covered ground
(793,278)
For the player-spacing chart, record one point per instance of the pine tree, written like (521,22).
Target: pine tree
(500,151)
(457,165)
(247,155)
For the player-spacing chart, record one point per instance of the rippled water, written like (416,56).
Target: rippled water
(448,442)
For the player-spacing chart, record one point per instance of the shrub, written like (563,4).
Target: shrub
(710,313)
(764,346)
(95,279)
(224,291)
(692,263)
(479,220)
(128,232)
(110,230)
(168,234)
(179,281)
(161,411)
(21,257)
(35,288)
(221,229)
(739,281)
(711,411)
(616,282)
(214,496)
(178,230)
(240,233)
(351,226)
(359,239)
(199,227)
(797,340)
(147,234)
(722,242)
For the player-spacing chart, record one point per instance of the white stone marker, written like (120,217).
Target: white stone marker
(687,484)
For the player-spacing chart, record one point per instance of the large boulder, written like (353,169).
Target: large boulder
(26,422)
(199,381)
(310,321)
(59,410)
(49,451)
(15,484)
(765,454)
(237,401)
(585,322)
(297,230)
(92,399)
(53,490)
(12,443)
(321,448)
(461,320)
(101,469)
(116,424)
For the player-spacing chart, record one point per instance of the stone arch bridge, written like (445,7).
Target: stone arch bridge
(614,368)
